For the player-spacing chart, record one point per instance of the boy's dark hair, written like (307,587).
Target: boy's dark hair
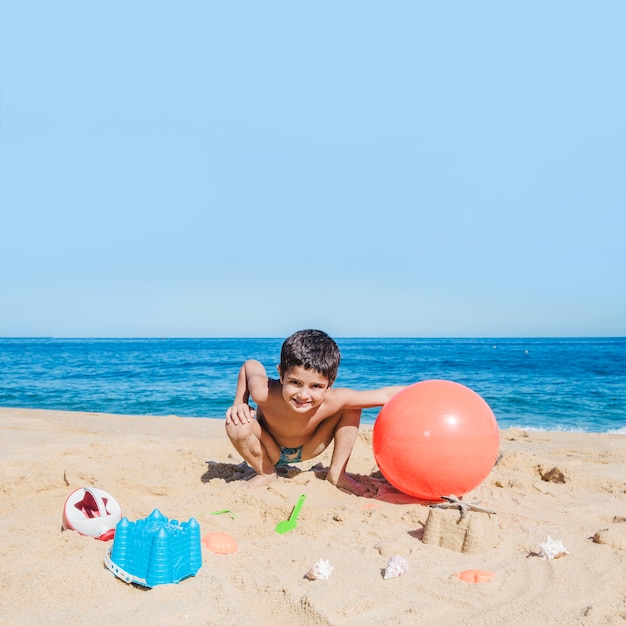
(313,350)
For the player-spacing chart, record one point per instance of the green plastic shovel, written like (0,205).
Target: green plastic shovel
(290,524)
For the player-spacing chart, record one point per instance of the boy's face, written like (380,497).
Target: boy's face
(303,389)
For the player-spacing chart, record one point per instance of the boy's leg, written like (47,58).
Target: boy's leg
(255,445)
(345,437)
(344,429)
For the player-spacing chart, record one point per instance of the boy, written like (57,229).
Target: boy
(299,414)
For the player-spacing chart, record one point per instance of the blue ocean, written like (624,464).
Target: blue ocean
(549,384)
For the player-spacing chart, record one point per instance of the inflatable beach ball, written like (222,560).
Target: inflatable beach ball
(435,438)
(92,512)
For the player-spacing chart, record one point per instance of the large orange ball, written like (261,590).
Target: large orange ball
(436,438)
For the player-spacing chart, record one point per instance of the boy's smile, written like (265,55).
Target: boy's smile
(303,389)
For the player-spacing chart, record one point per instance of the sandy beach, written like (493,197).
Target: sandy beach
(567,486)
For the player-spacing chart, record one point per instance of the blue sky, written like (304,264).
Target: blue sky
(195,168)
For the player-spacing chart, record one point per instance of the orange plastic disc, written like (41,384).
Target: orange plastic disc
(220,543)
(475,576)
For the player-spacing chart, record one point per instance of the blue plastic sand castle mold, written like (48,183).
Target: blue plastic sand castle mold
(155,551)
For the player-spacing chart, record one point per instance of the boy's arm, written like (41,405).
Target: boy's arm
(354,399)
(252,382)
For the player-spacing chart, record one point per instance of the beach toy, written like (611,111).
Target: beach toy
(475,576)
(155,550)
(91,512)
(435,438)
(290,524)
(220,543)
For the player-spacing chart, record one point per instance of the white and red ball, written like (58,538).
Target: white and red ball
(92,512)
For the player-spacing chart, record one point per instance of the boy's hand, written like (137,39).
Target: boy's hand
(240,413)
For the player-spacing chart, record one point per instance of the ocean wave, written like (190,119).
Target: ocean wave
(617,431)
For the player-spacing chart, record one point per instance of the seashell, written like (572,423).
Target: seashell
(396,566)
(552,549)
(220,543)
(322,570)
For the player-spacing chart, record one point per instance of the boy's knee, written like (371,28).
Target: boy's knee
(230,430)
(237,431)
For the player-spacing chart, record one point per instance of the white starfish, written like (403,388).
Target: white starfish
(452,502)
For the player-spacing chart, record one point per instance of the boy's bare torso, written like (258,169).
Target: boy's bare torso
(289,428)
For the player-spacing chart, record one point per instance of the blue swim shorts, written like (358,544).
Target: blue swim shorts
(290,455)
